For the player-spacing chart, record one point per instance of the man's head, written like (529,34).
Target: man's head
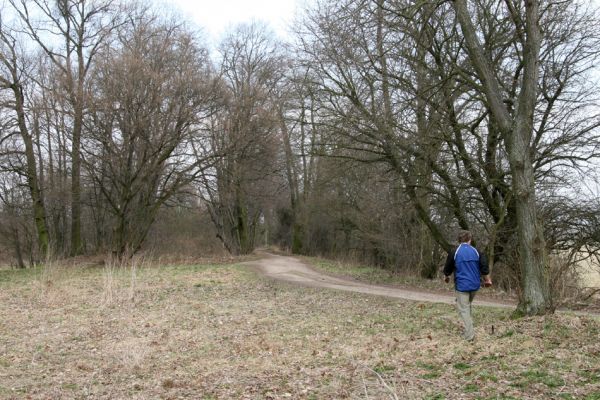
(464,237)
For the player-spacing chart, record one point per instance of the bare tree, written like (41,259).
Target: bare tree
(49,115)
(244,135)
(13,75)
(396,86)
(153,90)
(70,32)
(517,124)
(298,139)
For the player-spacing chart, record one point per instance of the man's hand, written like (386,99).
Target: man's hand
(487,281)
(446,279)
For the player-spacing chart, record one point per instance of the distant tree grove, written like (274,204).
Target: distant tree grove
(375,132)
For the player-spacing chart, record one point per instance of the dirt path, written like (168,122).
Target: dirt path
(290,269)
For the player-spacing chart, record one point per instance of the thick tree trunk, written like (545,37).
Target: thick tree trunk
(536,297)
(518,131)
(39,211)
(242,228)
(532,253)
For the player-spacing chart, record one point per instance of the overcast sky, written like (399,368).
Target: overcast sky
(215,16)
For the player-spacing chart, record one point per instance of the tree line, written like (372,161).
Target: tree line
(376,131)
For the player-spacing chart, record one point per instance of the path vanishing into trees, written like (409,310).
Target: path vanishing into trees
(292,270)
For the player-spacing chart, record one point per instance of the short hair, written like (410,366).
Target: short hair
(464,236)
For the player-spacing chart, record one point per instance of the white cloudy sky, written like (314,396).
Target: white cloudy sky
(216,15)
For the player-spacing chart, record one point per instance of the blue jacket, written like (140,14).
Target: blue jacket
(468,266)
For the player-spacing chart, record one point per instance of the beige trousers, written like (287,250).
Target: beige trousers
(463,306)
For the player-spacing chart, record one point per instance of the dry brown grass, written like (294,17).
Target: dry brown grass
(220,332)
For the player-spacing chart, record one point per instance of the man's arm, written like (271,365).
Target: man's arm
(449,266)
(484,269)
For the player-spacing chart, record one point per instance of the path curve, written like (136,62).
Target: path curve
(292,270)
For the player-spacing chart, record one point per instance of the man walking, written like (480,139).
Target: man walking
(468,267)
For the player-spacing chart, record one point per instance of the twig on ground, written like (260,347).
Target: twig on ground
(391,391)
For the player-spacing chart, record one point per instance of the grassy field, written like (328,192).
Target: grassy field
(222,332)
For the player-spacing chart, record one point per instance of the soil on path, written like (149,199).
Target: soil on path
(292,270)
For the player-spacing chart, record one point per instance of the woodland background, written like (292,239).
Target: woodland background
(373,133)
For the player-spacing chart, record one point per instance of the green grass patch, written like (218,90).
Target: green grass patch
(539,376)
(383,369)
(566,396)
(487,376)
(551,328)
(431,371)
(471,388)
(18,276)
(507,334)
(436,396)
(462,366)
(360,272)
(590,375)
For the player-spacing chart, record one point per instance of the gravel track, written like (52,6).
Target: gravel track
(292,270)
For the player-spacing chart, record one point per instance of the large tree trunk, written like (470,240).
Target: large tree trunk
(39,211)
(518,131)
(534,263)
(243,229)
(536,297)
